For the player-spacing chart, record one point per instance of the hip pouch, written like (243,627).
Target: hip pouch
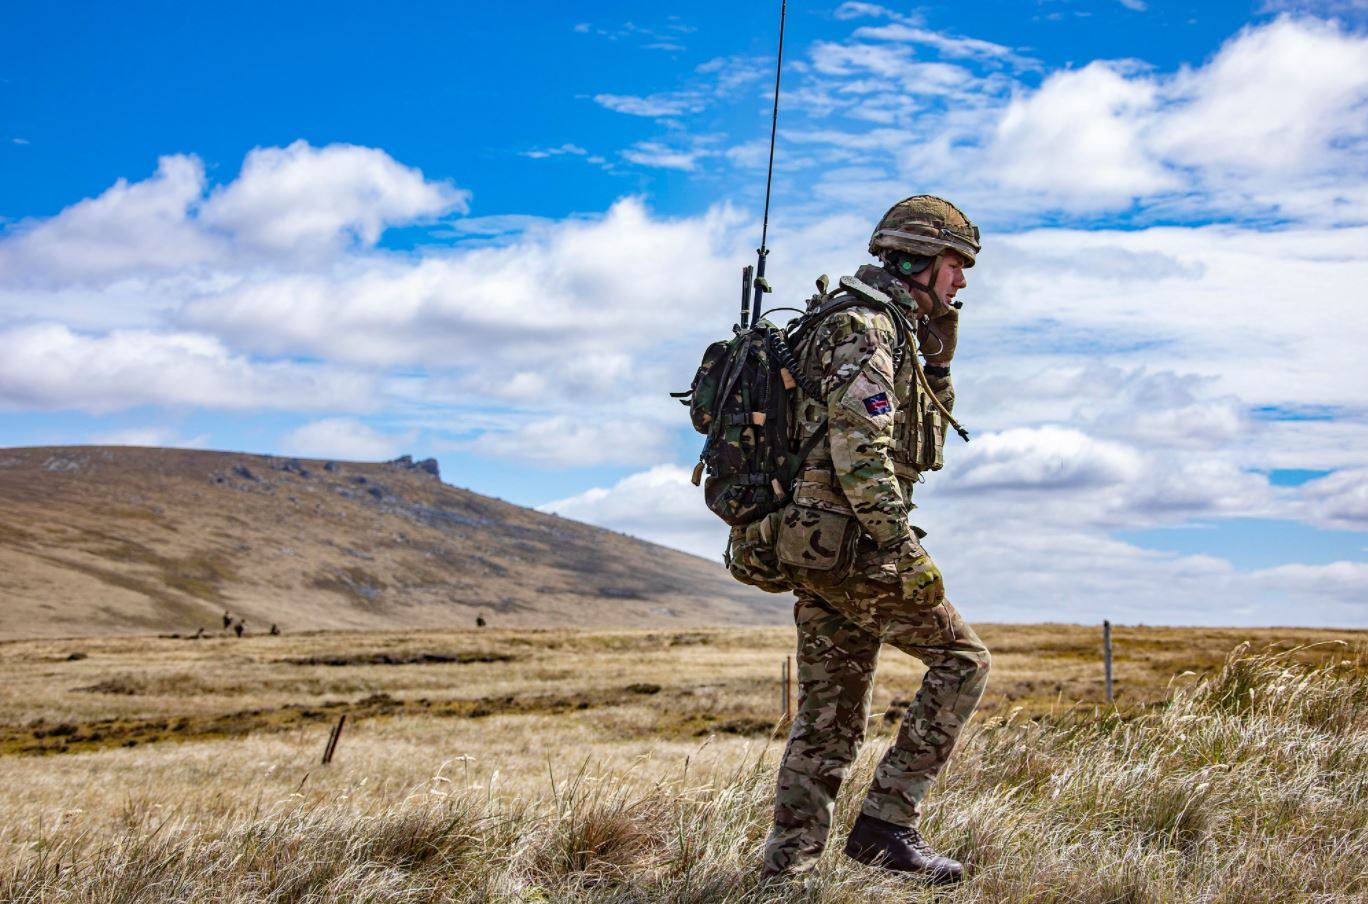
(818,532)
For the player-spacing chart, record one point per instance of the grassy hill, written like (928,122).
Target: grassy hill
(98,540)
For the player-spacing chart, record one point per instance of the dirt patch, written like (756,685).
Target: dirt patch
(460,658)
(42,738)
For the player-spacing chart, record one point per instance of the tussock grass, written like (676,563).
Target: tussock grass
(1247,785)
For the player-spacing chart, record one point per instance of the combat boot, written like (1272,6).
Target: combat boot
(901,849)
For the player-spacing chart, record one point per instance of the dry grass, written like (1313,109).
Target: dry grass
(602,774)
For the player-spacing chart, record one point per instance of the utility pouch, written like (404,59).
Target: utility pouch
(750,555)
(931,445)
(819,529)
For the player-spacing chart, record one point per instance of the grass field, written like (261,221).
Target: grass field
(637,766)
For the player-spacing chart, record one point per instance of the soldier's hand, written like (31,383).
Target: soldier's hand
(938,335)
(921,580)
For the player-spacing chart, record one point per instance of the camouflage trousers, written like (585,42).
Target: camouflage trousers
(840,630)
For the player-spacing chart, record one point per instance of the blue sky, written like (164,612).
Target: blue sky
(350,230)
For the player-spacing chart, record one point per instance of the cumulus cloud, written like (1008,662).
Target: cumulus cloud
(131,227)
(1045,458)
(1339,499)
(291,203)
(1277,99)
(301,199)
(567,326)
(48,366)
(344,438)
(1077,140)
(660,504)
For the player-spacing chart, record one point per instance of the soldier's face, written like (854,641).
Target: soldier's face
(950,278)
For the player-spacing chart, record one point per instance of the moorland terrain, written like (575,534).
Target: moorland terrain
(633,766)
(610,736)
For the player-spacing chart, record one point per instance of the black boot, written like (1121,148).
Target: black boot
(894,847)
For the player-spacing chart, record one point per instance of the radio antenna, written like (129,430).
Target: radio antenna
(759,285)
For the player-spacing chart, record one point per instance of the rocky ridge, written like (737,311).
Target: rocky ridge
(122,540)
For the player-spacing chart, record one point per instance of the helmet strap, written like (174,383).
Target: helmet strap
(929,286)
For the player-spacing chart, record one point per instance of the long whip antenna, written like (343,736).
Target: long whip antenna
(760,286)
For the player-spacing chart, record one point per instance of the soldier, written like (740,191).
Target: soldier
(859,572)
(227,619)
(240,627)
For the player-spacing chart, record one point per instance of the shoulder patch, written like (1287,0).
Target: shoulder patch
(878,404)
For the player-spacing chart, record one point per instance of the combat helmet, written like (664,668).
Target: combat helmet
(925,226)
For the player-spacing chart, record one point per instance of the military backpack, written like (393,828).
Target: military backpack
(739,400)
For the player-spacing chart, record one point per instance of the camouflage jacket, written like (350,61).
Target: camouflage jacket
(884,430)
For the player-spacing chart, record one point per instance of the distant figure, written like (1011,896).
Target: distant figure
(227,619)
(240,627)
(480,621)
(275,630)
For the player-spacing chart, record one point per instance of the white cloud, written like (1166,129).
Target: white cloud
(163,437)
(1077,140)
(580,439)
(1325,8)
(138,227)
(1344,581)
(655,154)
(303,200)
(291,203)
(344,438)
(572,325)
(660,505)
(1339,499)
(564,149)
(852,10)
(1048,459)
(1273,127)
(1277,99)
(951,46)
(654,106)
(47,366)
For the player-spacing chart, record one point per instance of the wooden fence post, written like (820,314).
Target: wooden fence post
(333,738)
(1107,655)
(784,689)
(793,689)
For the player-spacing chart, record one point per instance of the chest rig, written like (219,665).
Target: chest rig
(919,420)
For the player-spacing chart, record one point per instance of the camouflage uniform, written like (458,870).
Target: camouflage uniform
(862,579)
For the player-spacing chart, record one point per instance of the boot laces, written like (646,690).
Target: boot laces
(914,840)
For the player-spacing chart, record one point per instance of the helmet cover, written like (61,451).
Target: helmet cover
(925,225)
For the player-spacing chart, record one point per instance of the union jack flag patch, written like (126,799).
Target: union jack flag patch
(878,404)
